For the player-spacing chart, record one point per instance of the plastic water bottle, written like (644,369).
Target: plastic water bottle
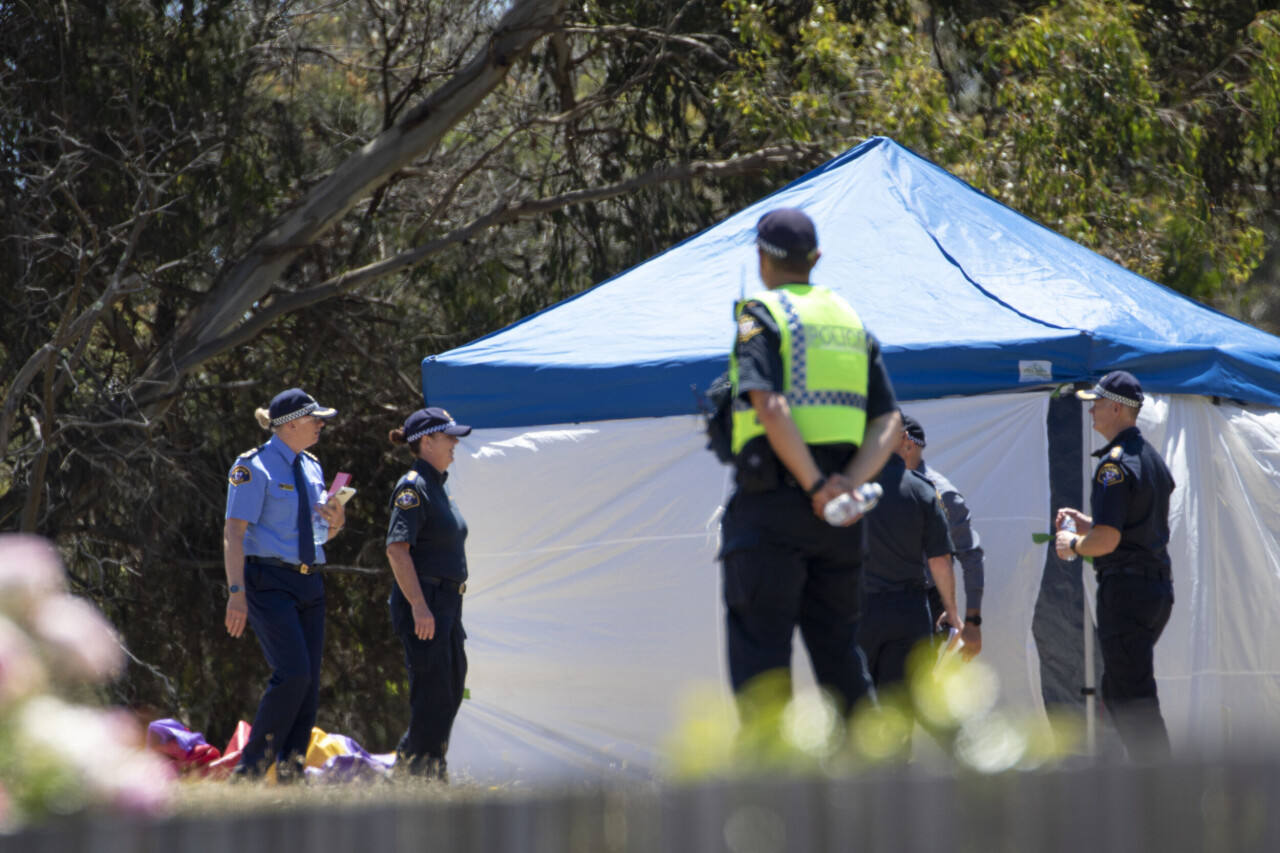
(1068,524)
(844,508)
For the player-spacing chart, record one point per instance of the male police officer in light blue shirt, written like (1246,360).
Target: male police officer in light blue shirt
(273,541)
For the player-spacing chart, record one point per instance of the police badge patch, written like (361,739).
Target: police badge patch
(406,498)
(1110,474)
(748,328)
(240,475)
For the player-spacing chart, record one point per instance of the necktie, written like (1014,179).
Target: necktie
(306,536)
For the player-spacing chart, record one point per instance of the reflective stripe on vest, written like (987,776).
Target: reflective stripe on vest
(825,364)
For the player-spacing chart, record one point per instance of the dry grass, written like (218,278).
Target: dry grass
(204,797)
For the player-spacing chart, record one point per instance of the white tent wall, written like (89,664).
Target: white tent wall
(1218,662)
(594,604)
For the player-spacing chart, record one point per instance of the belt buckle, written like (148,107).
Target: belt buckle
(304,568)
(462,588)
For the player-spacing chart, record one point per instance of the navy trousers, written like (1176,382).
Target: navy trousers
(786,568)
(893,623)
(286,612)
(437,675)
(1132,613)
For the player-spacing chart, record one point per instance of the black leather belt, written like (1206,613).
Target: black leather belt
(1150,573)
(452,586)
(300,568)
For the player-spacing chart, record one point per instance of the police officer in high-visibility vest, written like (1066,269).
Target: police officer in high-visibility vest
(814,416)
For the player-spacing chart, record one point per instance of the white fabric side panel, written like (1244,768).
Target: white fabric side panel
(594,600)
(594,594)
(995,450)
(1218,662)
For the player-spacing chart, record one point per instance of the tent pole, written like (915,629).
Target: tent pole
(1090,692)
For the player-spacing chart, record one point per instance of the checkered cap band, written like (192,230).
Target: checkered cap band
(429,430)
(1124,401)
(914,440)
(777,251)
(770,249)
(293,416)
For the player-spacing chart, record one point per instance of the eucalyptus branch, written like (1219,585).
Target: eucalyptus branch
(503,214)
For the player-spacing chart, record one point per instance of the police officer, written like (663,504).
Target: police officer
(968,547)
(276,526)
(425,546)
(1128,538)
(814,416)
(907,528)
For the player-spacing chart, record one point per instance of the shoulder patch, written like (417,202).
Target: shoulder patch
(406,498)
(312,455)
(748,327)
(1110,474)
(240,475)
(1116,452)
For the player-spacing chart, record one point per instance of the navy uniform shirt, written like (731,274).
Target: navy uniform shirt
(905,528)
(425,515)
(759,352)
(968,547)
(1131,489)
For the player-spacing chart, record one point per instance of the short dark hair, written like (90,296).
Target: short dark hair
(798,267)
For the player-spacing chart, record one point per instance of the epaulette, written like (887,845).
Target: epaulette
(1116,452)
(312,455)
(249,454)
(411,477)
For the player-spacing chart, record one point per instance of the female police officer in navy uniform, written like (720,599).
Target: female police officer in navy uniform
(273,540)
(425,548)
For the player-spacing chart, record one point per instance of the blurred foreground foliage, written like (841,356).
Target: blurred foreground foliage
(59,755)
(145,147)
(953,702)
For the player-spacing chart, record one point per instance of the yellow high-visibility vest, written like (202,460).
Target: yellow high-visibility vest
(825,365)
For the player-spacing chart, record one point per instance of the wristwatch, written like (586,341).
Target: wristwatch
(817,485)
(974,620)
(234,588)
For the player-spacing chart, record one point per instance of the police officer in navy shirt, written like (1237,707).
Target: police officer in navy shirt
(814,416)
(1128,539)
(425,546)
(273,541)
(906,528)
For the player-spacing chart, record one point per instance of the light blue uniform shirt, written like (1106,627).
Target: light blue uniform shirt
(968,551)
(262,492)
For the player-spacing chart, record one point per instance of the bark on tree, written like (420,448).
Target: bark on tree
(248,279)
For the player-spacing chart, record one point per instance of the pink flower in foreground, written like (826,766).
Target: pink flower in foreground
(141,784)
(103,749)
(81,643)
(21,672)
(30,570)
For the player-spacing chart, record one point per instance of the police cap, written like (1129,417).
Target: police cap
(429,420)
(296,403)
(1118,385)
(788,235)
